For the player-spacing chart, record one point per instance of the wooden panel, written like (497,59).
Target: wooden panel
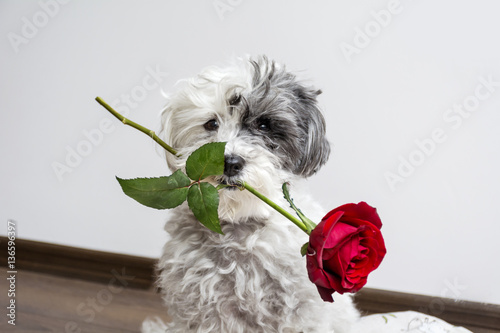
(102,267)
(49,303)
(79,263)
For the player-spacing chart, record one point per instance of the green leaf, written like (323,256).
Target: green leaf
(159,193)
(310,225)
(208,160)
(203,200)
(303,249)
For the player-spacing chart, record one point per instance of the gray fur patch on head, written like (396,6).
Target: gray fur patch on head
(284,114)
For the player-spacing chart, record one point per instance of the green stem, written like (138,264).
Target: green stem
(310,225)
(143,129)
(280,210)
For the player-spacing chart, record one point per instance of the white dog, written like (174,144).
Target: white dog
(252,278)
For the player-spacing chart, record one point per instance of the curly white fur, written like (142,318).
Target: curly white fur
(252,278)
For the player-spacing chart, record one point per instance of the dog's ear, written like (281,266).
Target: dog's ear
(315,146)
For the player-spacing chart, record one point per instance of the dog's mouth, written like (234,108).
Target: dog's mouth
(230,183)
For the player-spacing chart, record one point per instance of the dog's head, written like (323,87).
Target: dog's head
(271,122)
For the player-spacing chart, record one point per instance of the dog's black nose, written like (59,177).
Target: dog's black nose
(233,165)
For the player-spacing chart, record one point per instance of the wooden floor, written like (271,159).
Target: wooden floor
(47,303)
(50,303)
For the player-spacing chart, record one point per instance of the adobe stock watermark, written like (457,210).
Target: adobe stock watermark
(453,290)
(94,137)
(453,118)
(372,29)
(225,6)
(30,27)
(11,271)
(88,309)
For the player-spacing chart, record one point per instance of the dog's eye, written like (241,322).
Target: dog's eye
(235,100)
(264,125)
(211,125)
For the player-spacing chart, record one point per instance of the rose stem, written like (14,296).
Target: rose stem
(280,210)
(136,126)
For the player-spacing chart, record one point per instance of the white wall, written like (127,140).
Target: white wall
(441,221)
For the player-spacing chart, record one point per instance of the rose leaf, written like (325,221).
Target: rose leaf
(160,193)
(203,200)
(208,160)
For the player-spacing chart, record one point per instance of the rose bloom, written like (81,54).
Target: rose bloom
(344,248)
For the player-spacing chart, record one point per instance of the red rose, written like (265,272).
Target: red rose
(344,248)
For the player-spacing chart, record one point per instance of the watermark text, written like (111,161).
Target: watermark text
(11,271)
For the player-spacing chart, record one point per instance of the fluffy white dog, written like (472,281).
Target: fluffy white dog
(252,278)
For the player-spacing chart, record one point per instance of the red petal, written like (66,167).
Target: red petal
(315,270)
(361,211)
(326,294)
(335,265)
(335,283)
(320,234)
(322,231)
(341,233)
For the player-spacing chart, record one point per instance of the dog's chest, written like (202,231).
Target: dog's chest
(250,264)
(252,259)
(252,276)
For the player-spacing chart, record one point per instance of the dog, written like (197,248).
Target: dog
(253,277)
